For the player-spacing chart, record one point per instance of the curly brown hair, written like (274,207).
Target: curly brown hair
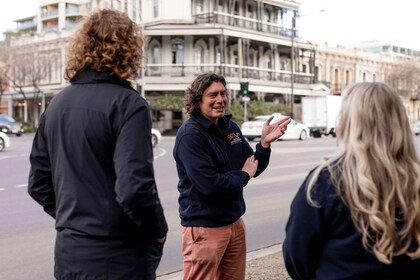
(108,41)
(195,91)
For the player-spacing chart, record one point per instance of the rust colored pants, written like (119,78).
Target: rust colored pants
(214,253)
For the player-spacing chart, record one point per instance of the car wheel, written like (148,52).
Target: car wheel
(250,139)
(18,134)
(1,144)
(303,135)
(154,140)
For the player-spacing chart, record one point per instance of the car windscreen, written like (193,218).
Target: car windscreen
(7,118)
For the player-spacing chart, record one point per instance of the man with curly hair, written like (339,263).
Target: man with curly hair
(214,164)
(92,159)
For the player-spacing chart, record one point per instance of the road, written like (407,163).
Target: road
(27,234)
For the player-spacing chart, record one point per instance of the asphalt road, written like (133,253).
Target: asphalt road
(27,234)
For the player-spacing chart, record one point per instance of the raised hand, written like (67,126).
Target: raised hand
(272,132)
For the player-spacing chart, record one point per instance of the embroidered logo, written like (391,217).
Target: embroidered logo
(234,138)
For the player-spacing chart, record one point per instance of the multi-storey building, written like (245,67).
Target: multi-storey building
(245,40)
(399,67)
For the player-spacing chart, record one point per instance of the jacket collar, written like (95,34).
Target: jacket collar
(88,76)
(204,122)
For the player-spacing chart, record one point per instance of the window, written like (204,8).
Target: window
(155,8)
(218,56)
(199,7)
(155,57)
(266,19)
(199,58)
(177,53)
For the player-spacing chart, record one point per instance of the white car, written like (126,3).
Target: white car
(156,137)
(252,129)
(416,128)
(4,141)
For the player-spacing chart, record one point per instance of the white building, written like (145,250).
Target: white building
(245,40)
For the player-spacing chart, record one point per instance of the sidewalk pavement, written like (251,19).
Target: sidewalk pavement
(262,264)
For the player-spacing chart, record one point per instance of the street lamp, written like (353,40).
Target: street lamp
(292,59)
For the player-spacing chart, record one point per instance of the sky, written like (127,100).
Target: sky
(349,22)
(343,22)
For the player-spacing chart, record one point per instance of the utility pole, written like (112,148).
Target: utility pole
(292,60)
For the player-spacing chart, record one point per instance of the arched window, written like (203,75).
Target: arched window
(199,6)
(177,53)
(199,58)
(347,77)
(155,8)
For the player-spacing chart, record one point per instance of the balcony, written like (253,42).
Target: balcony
(242,22)
(229,70)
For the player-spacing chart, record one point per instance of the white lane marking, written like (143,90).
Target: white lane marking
(1,189)
(21,186)
(14,156)
(161,153)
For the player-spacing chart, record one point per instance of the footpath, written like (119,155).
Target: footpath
(263,264)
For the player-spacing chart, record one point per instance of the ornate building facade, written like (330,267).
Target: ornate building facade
(245,40)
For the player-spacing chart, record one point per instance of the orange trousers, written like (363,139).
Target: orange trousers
(214,253)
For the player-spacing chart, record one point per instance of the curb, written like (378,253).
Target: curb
(259,253)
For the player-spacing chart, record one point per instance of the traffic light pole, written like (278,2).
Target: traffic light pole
(245,98)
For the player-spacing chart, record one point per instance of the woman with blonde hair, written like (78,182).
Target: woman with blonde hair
(357,215)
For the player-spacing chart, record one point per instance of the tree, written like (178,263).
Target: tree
(28,69)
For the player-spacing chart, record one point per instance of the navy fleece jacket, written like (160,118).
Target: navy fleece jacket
(209,159)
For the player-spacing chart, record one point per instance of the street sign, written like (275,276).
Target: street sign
(245,99)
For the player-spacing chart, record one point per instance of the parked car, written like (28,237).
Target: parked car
(10,126)
(156,137)
(295,130)
(4,141)
(416,128)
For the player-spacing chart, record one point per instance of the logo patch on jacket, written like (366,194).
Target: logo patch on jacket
(234,138)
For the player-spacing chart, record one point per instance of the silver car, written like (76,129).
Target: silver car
(10,126)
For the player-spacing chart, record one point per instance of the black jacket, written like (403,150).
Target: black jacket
(209,159)
(323,243)
(92,167)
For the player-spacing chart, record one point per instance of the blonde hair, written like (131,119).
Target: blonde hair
(108,41)
(376,171)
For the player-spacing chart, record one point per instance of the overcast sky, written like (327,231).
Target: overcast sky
(344,22)
(349,22)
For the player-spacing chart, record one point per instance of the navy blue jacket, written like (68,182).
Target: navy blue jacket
(323,243)
(92,170)
(209,159)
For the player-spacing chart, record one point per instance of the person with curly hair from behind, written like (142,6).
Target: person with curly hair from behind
(92,159)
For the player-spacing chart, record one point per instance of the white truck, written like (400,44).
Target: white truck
(320,113)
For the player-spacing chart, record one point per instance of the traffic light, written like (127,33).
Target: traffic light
(244,88)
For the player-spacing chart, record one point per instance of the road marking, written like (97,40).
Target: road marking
(1,189)
(21,186)
(14,156)
(161,154)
